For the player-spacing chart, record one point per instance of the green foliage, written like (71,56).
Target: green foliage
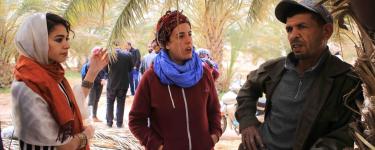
(6,74)
(268,40)
(11,13)
(71,74)
(4,90)
(130,15)
(219,25)
(260,10)
(76,9)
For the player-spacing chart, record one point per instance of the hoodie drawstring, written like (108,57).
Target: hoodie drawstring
(187,119)
(186,112)
(170,95)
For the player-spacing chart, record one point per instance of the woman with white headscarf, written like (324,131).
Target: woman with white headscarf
(45,110)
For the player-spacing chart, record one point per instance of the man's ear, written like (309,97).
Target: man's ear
(167,45)
(327,30)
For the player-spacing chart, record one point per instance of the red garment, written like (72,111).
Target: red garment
(215,74)
(168,125)
(44,80)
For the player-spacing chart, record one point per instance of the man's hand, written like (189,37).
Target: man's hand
(251,138)
(160,147)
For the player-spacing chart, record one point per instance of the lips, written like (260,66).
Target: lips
(64,54)
(296,45)
(189,50)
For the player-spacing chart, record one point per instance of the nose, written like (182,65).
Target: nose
(66,45)
(294,34)
(189,40)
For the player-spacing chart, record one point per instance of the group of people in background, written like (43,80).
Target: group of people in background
(125,72)
(176,105)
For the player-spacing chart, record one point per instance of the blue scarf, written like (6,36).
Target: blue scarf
(186,75)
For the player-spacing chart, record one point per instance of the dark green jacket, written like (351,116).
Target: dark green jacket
(324,120)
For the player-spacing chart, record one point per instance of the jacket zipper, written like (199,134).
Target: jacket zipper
(187,118)
(299,88)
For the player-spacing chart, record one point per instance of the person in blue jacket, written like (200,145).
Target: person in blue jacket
(97,88)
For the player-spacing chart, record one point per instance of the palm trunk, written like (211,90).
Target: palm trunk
(364,129)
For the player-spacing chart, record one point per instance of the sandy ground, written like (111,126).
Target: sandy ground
(229,140)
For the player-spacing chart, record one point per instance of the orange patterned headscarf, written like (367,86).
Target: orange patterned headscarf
(44,80)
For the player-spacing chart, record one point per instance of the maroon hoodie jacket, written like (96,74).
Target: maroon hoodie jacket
(175,122)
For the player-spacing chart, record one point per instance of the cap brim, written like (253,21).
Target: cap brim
(285,6)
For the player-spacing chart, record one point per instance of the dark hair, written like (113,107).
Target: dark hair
(54,20)
(301,10)
(155,41)
(166,24)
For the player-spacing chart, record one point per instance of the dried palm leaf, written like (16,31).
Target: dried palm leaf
(363,129)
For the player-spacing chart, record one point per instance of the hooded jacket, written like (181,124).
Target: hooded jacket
(180,118)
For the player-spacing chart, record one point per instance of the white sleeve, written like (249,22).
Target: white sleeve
(81,101)
(33,122)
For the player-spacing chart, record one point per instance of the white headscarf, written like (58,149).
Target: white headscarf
(32,38)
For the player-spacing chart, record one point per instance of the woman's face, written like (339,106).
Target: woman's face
(58,44)
(180,43)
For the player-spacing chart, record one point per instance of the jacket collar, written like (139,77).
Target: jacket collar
(315,99)
(331,66)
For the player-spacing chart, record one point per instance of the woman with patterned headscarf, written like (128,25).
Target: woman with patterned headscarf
(177,94)
(45,109)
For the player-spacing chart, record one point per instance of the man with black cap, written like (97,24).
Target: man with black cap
(307,92)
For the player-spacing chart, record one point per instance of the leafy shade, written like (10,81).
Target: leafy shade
(11,12)
(260,10)
(76,8)
(130,15)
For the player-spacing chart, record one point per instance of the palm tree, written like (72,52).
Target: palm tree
(132,12)
(351,12)
(11,12)
(210,18)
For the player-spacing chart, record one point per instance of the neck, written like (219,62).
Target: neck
(304,64)
(178,61)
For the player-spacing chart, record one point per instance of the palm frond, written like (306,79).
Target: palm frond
(169,4)
(176,4)
(11,12)
(76,8)
(30,5)
(260,9)
(130,15)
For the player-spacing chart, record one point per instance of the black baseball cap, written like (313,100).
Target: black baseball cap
(285,6)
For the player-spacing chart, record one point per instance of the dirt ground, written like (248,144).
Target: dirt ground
(229,140)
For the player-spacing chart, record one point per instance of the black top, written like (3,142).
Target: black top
(118,71)
(136,57)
